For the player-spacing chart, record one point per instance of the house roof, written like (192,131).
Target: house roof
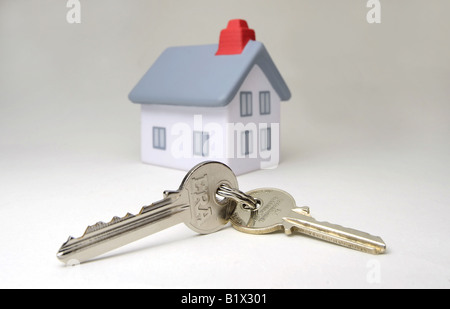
(195,76)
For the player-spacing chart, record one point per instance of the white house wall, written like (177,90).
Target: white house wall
(224,127)
(255,82)
(179,123)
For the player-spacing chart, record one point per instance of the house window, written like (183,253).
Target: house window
(246,142)
(246,104)
(264,102)
(159,138)
(265,139)
(201,143)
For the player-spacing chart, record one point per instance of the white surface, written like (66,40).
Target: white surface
(365,143)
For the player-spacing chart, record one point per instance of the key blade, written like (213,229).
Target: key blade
(334,233)
(93,233)
(103,237)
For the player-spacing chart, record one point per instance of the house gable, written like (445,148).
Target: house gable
(246,105)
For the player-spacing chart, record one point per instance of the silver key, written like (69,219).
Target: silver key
(194,203)
(276,210)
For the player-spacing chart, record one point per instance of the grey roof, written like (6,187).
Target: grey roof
(195,76)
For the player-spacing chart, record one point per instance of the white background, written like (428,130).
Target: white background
(365,143)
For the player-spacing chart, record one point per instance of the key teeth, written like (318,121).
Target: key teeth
(288,231)
(115,219)
(95,227)
(100,225)
(68,241)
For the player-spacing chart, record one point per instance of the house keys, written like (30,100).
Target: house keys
(206,200)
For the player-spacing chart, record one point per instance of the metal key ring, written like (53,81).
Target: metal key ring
(239,196)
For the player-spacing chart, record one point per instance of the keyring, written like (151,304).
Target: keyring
(239,196)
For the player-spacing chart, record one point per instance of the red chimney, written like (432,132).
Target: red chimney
(234,38)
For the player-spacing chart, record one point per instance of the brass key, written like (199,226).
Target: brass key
(276,210)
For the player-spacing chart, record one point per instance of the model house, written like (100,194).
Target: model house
(212,102)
